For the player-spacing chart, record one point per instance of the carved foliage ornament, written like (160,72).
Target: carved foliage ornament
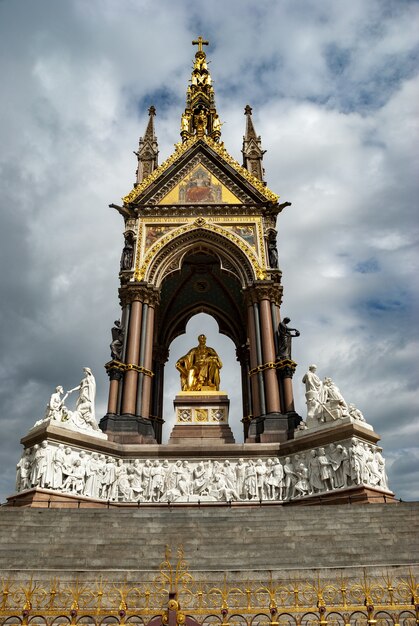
(146,294)
(264,291)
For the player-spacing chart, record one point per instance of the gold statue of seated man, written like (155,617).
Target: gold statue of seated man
(200,368)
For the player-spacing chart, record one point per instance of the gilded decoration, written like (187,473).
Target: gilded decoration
(232,190)
(200,368)
(201,415)
(200,187)
(159,232)
(274,598)
(180,149)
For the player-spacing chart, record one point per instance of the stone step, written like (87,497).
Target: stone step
(214,538)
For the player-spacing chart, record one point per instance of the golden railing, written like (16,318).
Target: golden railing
(369,600)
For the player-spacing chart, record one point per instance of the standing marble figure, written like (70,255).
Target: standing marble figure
(84,415)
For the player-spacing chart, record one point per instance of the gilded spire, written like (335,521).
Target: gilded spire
(200,117)
(252,148)
(147,149)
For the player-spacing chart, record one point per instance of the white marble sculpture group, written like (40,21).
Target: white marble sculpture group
(75,471)
(324,401)
(83,418)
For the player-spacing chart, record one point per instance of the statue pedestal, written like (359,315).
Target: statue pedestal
(201,417)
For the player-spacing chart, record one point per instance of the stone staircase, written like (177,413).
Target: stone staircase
(236,538)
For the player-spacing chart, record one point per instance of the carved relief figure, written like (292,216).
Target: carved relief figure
(200,368)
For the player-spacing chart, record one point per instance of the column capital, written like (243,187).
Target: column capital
(115,369)
(286,367)
(141,292)
(264,290)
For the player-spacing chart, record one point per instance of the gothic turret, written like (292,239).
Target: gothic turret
(147,149)
(200,117)
(252,148)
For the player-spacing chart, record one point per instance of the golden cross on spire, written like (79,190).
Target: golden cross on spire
(200,42)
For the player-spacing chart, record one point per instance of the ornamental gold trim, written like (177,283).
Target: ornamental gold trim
(226,222)
(180,149)
(139,368)
(255,182)
(200,223)
(126,367)
(282,364)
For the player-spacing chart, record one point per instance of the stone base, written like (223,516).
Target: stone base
(128,429)
(201,418)
(319,427)
(361,494)
(196,434)
(273,427)
(47,498)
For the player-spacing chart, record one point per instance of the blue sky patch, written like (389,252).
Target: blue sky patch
(370,266)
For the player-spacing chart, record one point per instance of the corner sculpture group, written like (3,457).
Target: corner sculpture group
(83,418)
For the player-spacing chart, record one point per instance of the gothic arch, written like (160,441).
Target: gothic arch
(231,256)
(227,326)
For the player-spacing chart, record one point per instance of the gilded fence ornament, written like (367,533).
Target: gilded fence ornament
(171,577)
(371,599)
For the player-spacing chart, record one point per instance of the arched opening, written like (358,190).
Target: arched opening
(230,372)
(201,285)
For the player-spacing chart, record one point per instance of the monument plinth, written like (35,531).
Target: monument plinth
(201,417)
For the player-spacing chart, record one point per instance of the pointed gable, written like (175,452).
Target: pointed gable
(167,184)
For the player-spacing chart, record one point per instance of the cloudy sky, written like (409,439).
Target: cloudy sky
(334,88)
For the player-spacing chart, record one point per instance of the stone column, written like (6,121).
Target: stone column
(258,337)
(286,371)
(269,356)
(242,353)
(128,424)
(160,357)
(132,355)
(115,374)
(147,364)
(253,360)
(274,423)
